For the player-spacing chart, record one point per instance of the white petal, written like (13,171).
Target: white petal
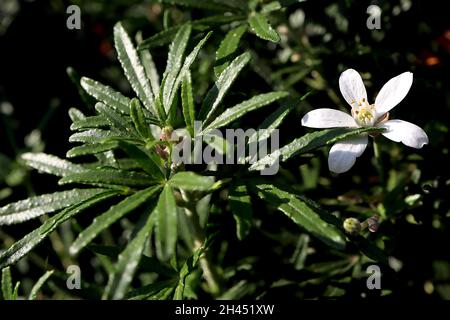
(393,92)
(343,154)
(406,132)
(327,118)
(352,86)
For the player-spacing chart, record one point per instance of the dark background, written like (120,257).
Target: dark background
(36,48)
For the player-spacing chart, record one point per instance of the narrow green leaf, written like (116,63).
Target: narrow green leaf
(166,226)
(239,291)
(201,25)
(274,119)
(302,214)
(89,123)
(277,5)
(213,5)
(109,177)
(241,207)
(233,113)
(152,291)
(27,243)
(128,262)
(38,285)
(189,266)
(33,207)
(16,291)
(114,213)
(138,117)
(228,48)
(191,181)
(7,288)
(150,71)
(106,94)
(222,85)
(174,63)
(76,114)
(262,28)
(76,80)
(50,164)
(218,143)
(185,68)
(309,142)
(134,71)
(147,264)
(146,161)
(93,148)
(187,102)
(96,136)
(115,119)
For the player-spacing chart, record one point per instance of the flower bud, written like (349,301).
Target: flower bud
(352,226)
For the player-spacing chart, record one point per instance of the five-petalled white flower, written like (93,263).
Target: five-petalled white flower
(343,154)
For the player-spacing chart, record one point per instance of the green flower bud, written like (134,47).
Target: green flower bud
(352,226)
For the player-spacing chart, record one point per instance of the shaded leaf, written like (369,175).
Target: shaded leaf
(38,285)
(166,226)
(138,117)
(191,181)
(166,36)
(128,262)
(241,207)
(303,215)
(149,164)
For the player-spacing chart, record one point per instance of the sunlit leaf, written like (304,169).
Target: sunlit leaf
(36,206)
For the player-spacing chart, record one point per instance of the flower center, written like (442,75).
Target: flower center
(363,113)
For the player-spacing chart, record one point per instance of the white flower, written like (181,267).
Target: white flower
(344,153)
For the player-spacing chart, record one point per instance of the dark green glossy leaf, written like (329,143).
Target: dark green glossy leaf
(241,207)
(302,214)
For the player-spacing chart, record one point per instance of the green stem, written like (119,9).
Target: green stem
(378,161)
(198,235)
